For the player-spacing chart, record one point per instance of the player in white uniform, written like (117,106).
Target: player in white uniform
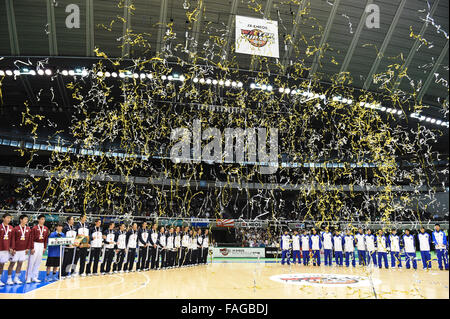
(394,246)
(327,242)
(296,247)
(410,249)
(285,246)
(424,245)
(361,247)
(440,245)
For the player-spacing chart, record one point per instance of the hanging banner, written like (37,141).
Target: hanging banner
(225,222)
(257,37)
(199,222)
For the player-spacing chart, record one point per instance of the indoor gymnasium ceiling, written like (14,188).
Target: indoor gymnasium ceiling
(27,30)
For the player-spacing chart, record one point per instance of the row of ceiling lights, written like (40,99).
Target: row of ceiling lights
(255,86)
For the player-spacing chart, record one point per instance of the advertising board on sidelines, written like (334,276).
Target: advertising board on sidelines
(252,224)
(233,252)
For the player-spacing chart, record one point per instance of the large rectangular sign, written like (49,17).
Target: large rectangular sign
(233,252)
(257,36)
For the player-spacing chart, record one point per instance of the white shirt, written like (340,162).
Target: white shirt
(162,240)
(349,245)
(296,242)
(110,238)
(144,235)
(132,240)
(337,243)
(381,244)
(285,242)
(177,240)
(370,243)
(360,243)
(185,240)
(83,229)
(409,243)
(315,242)
(205,243)
(97,237)
(327,240)
(194,242)
(395,243)
(121,240)
(424,241)
(305,242)
(199,241)
(169,242)
(71,233)
(154,236)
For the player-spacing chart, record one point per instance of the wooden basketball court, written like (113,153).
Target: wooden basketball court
(229,279)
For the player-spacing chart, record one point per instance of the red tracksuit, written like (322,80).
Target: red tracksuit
(18,244)
(5,244)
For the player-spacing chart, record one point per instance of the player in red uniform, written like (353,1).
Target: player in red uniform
(20,245)
(6,237)
(39,236)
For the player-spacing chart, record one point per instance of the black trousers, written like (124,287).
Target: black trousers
(107,260)
(81,254)
(130,259)
(154,257)
(183,255)
(199,255)
(205,255)
(189,256)
(119,260)
(68,254)
(177,255)
(171,257)
(142,259)
(163,254)
(94,258)
(194,256)
(149,257)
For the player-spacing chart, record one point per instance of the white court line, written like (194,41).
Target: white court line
(99,286)
(131,291)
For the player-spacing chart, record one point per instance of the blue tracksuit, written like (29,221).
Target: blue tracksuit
(316,245)
(327,242)
(382,245)
(338,242)
(361,247)
(54,251)
(349,248)
(440,245)
(394,244)
(296,248)
(285,245)
(424,245)
(306,246)
(410,250)
(371,249)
